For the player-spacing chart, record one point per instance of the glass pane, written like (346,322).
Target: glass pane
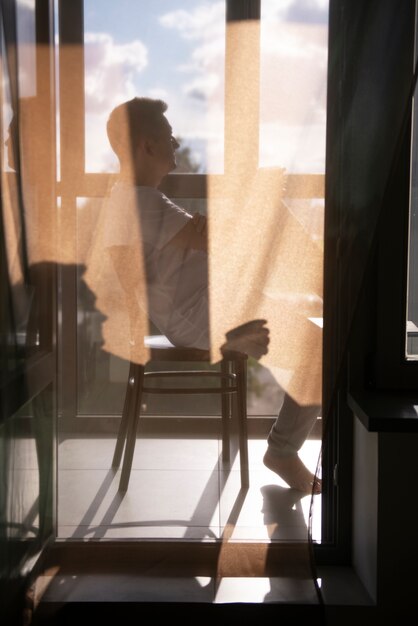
(294,56)
(102,376)
(125,58)
(265,247)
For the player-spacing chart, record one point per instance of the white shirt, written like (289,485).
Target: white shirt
(177,279)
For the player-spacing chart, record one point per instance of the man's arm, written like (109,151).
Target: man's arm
(193,235)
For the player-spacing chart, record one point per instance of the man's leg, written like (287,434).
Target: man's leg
(285,439)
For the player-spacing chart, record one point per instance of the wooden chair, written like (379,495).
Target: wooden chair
(231,378)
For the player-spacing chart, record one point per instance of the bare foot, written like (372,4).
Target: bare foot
(294,472)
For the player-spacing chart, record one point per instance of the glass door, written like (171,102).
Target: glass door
(246,90)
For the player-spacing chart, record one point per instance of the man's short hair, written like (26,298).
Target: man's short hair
(133,119)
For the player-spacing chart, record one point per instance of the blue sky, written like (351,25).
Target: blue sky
(175,50)
(128,21)
(167,49)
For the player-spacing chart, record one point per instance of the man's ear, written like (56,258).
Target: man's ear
(149,146)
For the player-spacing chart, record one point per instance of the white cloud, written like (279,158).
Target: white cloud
(205,20)
(205,25)
(207,54)
(202,87)
(302,11)
(111,70)
(304,41)
(110,73)
(158,93)
(297,148)
(273,9)
(308,11)
(294,73)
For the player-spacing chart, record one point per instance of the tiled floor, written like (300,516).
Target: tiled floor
(179,489)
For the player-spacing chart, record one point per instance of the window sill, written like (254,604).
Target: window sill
(340,587)
(385,411)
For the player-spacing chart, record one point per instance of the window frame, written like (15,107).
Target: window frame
(392,369)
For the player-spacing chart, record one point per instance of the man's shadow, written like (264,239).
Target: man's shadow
(283,513)
(285,520)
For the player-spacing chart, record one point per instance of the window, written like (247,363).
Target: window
(231,129)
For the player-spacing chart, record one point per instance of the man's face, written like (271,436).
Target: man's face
(166,145)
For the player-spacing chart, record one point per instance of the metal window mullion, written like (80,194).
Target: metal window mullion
(71,91)
(72,166)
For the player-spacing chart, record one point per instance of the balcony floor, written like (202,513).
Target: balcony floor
(179,488)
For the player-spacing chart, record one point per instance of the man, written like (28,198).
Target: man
(144,227)
(173,242)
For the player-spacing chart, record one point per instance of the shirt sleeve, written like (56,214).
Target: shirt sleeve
(161,219)
(142,215)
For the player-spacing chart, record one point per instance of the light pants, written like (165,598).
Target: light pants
(291,428)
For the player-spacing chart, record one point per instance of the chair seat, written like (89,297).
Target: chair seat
(161,349)
(158,341)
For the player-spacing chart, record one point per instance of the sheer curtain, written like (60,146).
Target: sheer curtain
(266,216)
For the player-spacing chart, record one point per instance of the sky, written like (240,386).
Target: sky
(175,50)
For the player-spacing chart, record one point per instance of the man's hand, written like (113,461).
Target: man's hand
(251,338)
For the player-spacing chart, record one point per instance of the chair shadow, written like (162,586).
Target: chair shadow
(204,510)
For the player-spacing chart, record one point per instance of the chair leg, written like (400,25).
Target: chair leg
(241,372)
(226,413)
(126,413)
(132,427)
